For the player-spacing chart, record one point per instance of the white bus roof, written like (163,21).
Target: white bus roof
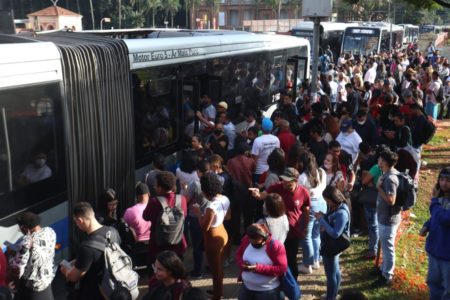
(29,63)
(327,26)
(380,25)
(408,25)
(157,52)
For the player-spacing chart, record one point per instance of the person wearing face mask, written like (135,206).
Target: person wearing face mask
(262,260)
(349,139)
(36,171)
(365,127)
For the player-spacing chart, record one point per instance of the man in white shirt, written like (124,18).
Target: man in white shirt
(228,129)
(207,115)
(342,93)
(371,73)
(349,139)
(262,147)
(36,171)
(431,107)
(333,91)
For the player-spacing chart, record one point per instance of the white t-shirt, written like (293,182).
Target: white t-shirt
(262,147)
(255,281)
(317,191)
(342,93)
(333,179)
(230,131)
(209,112)
(434,87)
(185,178)
(278,227)
(371,74)
(33,174)
(219,205)
(350,143)
(334,91)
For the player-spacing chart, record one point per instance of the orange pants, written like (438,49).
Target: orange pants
(215,241)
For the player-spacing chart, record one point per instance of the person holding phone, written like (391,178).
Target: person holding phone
(262,260)
(438,240)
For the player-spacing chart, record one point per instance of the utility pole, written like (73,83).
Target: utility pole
(390,26)
(315,56)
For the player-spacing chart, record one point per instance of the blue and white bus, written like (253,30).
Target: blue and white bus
(92,110)
(372,38)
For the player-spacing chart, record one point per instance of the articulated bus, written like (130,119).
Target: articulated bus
(411,33)
(371,38)
(330,34)
(430,29)
(82,112)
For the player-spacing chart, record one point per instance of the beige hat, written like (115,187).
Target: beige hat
(223,104)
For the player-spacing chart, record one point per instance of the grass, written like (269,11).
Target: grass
(411,259)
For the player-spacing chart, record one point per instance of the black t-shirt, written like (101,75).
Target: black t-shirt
(92,262)
(319,149)
(346,162)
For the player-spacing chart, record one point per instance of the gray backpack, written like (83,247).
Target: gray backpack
(118,270)
(170,229)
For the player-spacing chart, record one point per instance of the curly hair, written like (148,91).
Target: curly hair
(166,180)
(172,263)
(211,185)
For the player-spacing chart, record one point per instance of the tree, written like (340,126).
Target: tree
(214,6)
(190,6)
(276,7)
(171,7)
(152,5)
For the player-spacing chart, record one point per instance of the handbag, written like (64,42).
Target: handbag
(332,247)
(368,196)
(288,284)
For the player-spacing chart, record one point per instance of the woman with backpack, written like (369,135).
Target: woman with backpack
(336,228)
(170,280)
(262,261)
(214,233)
(314,180)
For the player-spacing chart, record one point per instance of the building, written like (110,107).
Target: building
(55,18)
(231,14)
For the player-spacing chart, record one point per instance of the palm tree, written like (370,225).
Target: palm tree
(92,14)
(171,7)
(276,6)
(191,5)
(214,6)
(152,5)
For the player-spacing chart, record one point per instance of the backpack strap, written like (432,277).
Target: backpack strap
(178,201)
(99,242)
(163,202)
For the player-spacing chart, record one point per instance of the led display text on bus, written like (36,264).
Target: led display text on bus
(363,31)
(164,54)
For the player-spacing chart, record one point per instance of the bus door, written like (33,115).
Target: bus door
(211,85)
(296,72)
(190,97)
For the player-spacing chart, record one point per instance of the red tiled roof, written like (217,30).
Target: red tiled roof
(53,11)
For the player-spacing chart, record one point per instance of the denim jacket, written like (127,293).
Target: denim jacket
(337,222)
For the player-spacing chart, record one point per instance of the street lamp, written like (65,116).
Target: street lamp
(106,20)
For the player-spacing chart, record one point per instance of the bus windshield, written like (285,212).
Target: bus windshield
(306,34)
(361,41)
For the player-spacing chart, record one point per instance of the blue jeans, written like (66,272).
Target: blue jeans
(387,239)
(246,294)
(372,225)
(311,243)
(333,273)
(431,109)
(438,278)
(197,243)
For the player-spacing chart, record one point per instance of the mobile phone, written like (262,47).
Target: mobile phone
(11,246)
(66,264)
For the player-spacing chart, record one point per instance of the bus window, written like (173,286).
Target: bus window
(31,155)
(156,109)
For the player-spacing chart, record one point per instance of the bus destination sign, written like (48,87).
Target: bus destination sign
(363,31)
(164,54)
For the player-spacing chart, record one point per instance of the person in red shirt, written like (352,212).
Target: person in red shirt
(286,137)
(297,202)
(3,269)
(165,187)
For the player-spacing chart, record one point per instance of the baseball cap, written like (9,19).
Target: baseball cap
(289,174)
(223,104)
(345,125)
(141,189)
(267,125)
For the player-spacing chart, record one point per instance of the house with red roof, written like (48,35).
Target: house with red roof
(55,18)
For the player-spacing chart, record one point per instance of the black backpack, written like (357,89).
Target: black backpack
(406,195)
(428,131)
(440,94)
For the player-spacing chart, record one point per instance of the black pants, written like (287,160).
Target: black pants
(291,245)
(25,293)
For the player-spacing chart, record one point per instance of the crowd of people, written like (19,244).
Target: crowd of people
(322,168)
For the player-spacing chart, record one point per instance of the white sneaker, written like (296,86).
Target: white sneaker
(316,265)
(304,269)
